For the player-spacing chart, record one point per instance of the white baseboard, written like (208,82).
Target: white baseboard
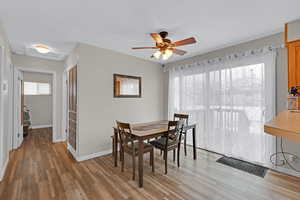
(3,169)
(93,155)
(286,171)
(59,140)
(89,156)
(40,126)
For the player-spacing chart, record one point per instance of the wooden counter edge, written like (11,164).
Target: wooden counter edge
(289,135)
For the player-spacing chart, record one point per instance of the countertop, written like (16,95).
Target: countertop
(286,125)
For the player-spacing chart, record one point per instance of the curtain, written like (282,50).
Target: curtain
(229,101)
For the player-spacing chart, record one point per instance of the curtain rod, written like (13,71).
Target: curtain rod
(229,57)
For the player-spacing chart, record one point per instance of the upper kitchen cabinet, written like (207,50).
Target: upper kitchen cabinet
(292,40)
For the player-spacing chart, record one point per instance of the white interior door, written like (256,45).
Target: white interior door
(18,114)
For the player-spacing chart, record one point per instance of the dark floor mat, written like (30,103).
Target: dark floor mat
(244,166)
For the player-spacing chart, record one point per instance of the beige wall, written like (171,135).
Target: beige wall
(40,106)
(72,59)
(27,62)
(98,110)
(5,101)
(293,31)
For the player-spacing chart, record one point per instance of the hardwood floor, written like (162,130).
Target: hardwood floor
(42,170)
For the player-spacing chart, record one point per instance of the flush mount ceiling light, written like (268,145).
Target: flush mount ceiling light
(42,48)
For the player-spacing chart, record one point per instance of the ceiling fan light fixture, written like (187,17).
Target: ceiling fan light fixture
(166,48)
(167,54)
(157,54)
(165,57)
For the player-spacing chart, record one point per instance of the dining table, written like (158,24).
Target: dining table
(147,131)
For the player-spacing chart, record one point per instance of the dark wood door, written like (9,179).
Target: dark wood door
(72,94)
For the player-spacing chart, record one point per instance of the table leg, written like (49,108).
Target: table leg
(116,148)
(194,143)
(141,154)
(276,151)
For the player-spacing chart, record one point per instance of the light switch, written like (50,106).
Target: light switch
(5,87)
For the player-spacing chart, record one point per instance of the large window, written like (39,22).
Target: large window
(35,88)
(229,102)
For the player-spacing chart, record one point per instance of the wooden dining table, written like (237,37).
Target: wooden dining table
(145,131)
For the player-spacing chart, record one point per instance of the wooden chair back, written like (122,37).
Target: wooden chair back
(175,129)
(183,117)
(125,135)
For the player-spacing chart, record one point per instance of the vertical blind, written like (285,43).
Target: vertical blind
(229,102)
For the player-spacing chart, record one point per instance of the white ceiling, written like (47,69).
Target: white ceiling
(122,24)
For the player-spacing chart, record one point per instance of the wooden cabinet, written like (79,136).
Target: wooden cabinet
(292,41)
(293,63)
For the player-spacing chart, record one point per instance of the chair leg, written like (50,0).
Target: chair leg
(166,161)
(120,152)
(122,160)
(174,154)
(185,145)
(178,155)
(133,167)
(152,159)
(113,147)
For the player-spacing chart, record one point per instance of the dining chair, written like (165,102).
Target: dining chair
(185,118)
(130,146)
(115,139)
(170,141)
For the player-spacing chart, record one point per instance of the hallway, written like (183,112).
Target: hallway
(33,167)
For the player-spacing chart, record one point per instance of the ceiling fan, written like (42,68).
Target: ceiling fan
(165,47)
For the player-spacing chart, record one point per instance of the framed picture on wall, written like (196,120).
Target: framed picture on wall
(126,86)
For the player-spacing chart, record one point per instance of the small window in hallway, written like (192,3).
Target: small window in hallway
(35,88)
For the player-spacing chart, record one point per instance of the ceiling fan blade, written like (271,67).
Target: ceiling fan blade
(179,52)
(156,37)
(144,48)
(191,40)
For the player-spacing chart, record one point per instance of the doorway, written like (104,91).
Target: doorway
(35,109)
(17,137)
(37,98)
(229,102)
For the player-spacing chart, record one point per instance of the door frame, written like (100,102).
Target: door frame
(17,130)
(2,161)
(55,108)
(11,107)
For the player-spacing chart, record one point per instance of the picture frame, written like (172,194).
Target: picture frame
(126,86)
